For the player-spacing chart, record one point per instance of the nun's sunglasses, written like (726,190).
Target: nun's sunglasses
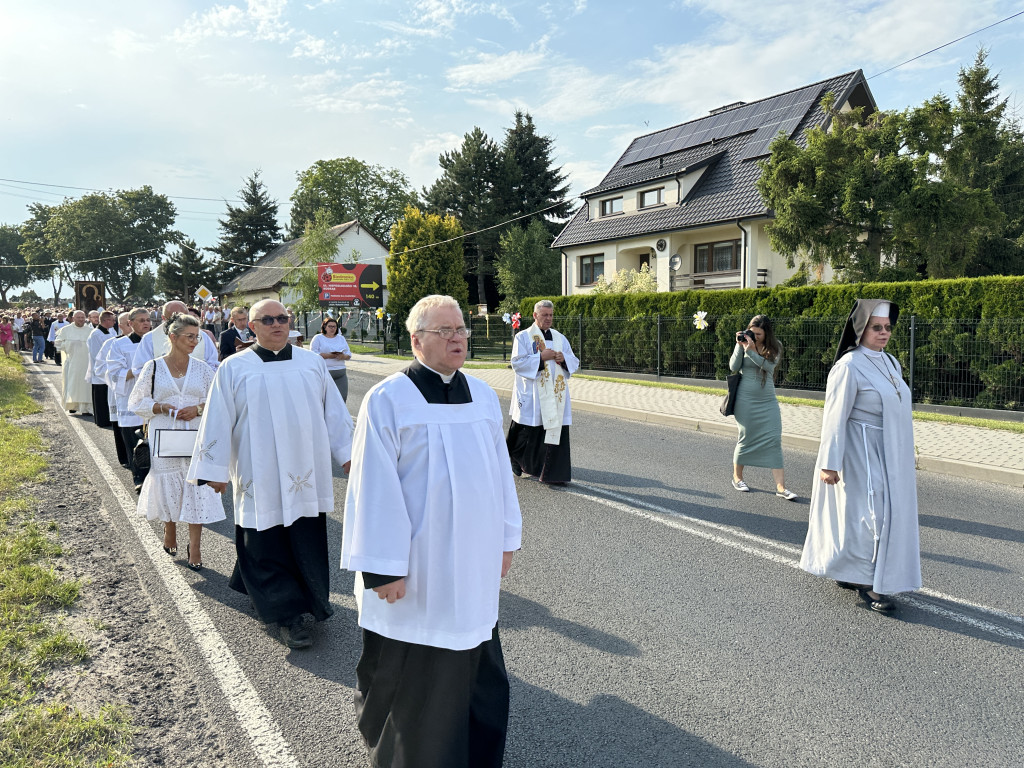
(879,328)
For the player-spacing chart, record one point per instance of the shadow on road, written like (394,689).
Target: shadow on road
(984,530)
(606,732)
(522,613)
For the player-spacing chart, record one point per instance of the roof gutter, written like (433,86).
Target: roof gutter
(744,252)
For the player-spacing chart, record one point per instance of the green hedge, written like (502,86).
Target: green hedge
(968,341)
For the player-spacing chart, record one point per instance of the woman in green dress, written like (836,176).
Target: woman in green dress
(757,412)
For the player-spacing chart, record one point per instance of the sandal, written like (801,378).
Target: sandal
(189,563)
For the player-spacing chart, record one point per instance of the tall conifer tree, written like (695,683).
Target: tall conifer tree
(249,232)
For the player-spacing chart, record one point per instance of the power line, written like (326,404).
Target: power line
(95,189)
(945,45)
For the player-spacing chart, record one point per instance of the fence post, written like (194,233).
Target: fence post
(913,338)
(504,339)
(579,320)
(658,362)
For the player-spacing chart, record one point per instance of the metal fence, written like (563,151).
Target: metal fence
(974,363)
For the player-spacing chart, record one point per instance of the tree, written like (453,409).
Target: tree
(249,232)
(180,275)
(318,246)
(145,286)
(350,189)
(986,152)
(42,258)
(865,197)
(526,266)
(13,270)
(111,237)
(467,190)
(531,183)
(425,258)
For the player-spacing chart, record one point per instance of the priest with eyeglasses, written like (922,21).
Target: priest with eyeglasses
(431,523)
(272,422)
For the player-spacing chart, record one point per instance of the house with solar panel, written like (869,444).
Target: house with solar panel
(683,200)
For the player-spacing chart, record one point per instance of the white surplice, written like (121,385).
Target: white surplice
(157,344)
(271,429)
(864,529)
(431,497)
(119,365)
(73,343)
(96,341)
(100,369)
(526,406)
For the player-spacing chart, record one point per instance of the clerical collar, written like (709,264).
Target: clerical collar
(134,337)
(871,352)
(435,389)
(547,334)
(268,356)
(105,330)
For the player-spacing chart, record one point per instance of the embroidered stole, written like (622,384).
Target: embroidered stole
(551,386)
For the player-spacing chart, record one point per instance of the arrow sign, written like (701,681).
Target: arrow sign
(371,286)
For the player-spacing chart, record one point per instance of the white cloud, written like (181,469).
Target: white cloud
(235,81)
(260,20)
(491,68)
(377,93)
(310,47)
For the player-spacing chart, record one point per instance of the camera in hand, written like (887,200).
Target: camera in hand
(749,334)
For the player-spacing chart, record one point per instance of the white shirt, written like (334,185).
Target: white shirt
(96,365)
(119,365)
(271,429)
(431,496)
(322,343)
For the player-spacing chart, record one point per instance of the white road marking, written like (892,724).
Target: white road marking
(734,538)
(265,736)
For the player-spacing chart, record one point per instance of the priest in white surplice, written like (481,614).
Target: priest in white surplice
(538,438)
(119,375)
(863,530)
(273,420)
(431,524)
(156,344)
(97,364)
(73,342)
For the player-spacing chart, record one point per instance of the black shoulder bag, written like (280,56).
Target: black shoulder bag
(140,456)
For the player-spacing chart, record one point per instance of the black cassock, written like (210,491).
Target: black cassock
(418,706)
(284,569)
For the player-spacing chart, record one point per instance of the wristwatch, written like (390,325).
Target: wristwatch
(200,408)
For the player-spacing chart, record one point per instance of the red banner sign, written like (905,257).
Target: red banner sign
(353,285)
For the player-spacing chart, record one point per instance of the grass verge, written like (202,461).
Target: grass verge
(34,730)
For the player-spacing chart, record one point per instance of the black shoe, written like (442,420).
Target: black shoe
(172,551)
(848,585)
(517,470)
(138,488)
(188,559)
(882,603)
(294,634)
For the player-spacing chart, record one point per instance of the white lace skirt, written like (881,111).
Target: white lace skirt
(167,496)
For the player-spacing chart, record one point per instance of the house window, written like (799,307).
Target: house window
(651,197)
(591,268)
(716,257)
(614,205)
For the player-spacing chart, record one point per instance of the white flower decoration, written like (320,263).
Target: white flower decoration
(507,318)
(698,320)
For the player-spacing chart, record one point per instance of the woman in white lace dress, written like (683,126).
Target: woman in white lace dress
(174,400)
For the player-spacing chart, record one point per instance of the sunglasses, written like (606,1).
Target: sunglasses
(879,328)
(269,320)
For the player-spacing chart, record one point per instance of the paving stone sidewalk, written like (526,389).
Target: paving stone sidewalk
(992,455)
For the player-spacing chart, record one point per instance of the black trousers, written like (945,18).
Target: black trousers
(131,439)
(285,570)
(423,707)
(548,463)
(119,446)
(100,409)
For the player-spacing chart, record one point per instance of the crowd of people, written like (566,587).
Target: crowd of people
(431,515)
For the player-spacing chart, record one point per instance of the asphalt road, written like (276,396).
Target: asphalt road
(655,617)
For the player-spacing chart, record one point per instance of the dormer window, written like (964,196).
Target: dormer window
(611,206)
(651,197)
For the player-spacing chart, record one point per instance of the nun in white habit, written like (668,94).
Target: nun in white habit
(863,530)
(431,523)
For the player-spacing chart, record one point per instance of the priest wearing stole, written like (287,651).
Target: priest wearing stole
(431,524)
(156,344)
(272,422)
(538,438)
(73,341)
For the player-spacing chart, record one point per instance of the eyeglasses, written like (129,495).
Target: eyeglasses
(268,320)
(879,328)
(189,336)
(447,333)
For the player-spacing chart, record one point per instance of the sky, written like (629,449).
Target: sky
(191,97)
